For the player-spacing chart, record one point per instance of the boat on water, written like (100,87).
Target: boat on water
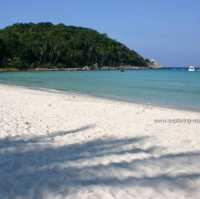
(191,69)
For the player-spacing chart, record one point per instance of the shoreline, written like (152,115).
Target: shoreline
(105,68)
(102,98)
(94,98)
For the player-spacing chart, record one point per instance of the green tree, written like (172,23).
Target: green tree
(3,53)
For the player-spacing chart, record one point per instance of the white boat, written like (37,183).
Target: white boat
(191,68)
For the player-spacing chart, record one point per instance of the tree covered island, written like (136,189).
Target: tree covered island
(25,46)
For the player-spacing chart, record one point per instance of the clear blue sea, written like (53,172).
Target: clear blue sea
(170,88)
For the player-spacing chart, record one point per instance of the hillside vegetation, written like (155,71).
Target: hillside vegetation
(28,46)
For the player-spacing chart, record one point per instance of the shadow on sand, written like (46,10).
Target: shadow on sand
(31,167)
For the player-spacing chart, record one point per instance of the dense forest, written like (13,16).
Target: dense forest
(29,46)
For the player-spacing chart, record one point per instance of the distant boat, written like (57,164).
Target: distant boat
(191,68)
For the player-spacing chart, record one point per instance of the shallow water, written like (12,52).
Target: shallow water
(170,88)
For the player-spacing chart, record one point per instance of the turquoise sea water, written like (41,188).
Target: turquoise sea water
(170,88)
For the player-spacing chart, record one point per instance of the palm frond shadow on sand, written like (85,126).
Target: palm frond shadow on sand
(30,167)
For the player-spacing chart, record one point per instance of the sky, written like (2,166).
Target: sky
(165,30)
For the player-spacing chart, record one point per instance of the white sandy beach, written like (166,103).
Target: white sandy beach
(58,145)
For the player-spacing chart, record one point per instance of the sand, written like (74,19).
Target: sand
(64,145)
